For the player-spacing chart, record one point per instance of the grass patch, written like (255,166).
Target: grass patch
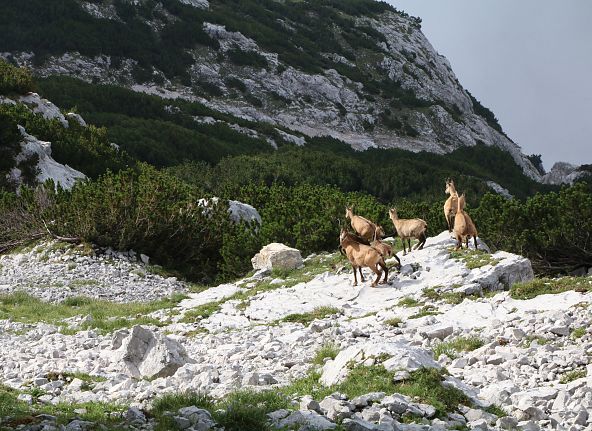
(21,412)
(578,333)
(306,318)
(106,316)
(434,294)
(474,258)
(530,338)
(83,283)
(395,322)
(542,286)
(238,411)
(460,344)
(572,375)
(328,350)
(202,311)
(409,302)
(426,310)
(425,385)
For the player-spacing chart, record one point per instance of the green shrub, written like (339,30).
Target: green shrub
(15,79)
(247,58)
(543,286)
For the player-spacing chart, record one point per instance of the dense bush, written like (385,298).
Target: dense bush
(554,230)
(14,79)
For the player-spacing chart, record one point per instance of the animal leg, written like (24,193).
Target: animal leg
(475,239)
(409,244)
(355,276)
(378,274)
(458,242)
(385,269)
(467,242)
(361,274)
(449,221)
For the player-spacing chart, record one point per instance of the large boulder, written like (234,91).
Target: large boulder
(144,353)
(237,211)
(276,255)
(401,356)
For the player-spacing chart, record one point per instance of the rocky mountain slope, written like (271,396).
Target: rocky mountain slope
(515,363)
(359,70)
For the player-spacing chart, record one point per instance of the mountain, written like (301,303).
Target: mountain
(357,70)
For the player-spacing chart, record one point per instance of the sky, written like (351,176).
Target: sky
(529,61)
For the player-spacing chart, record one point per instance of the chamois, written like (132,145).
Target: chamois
(409,228)
(362,255)
(385,249)
(464,228)
(363,227)
(451,203)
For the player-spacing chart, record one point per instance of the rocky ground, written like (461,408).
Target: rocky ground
(517,363)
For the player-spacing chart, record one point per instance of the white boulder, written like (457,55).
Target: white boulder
(276,255)
(144,353)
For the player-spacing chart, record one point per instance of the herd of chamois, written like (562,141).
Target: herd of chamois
(364,249)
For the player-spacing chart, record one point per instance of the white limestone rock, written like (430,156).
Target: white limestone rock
(276,255)
(61,174)
(144,353)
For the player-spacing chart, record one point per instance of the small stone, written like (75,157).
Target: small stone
(134,414)
(182,422)
(507,423)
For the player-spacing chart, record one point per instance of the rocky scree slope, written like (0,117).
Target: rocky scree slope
(528,358)
(359,71)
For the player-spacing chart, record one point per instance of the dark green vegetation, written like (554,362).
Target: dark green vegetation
(164,133)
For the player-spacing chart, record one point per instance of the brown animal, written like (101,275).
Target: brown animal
(385,249)
(364,227)
(451,203)
(409,228)
(464,228)
(362,256)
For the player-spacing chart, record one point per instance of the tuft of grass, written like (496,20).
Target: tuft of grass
(409,302)
(106,316)
(459,344)
(496,410)
(247,410)
(393,321)
(306,318)
(328,350)
(474,258)
(542,286)
(434,294)
(578,332)
(572,375)
(426,310)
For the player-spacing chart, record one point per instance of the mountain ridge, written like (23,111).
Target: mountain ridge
(394,90)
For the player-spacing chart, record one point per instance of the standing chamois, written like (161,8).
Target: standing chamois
(409,228)
(361,256)
(464,228)
(364,227)
(451,203)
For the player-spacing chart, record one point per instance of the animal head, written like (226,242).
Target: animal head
(342,234)
(378,233)
(449,186)
(393,213)
(461,202)
(349,212)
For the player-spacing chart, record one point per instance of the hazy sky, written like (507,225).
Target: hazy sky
(529,61)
